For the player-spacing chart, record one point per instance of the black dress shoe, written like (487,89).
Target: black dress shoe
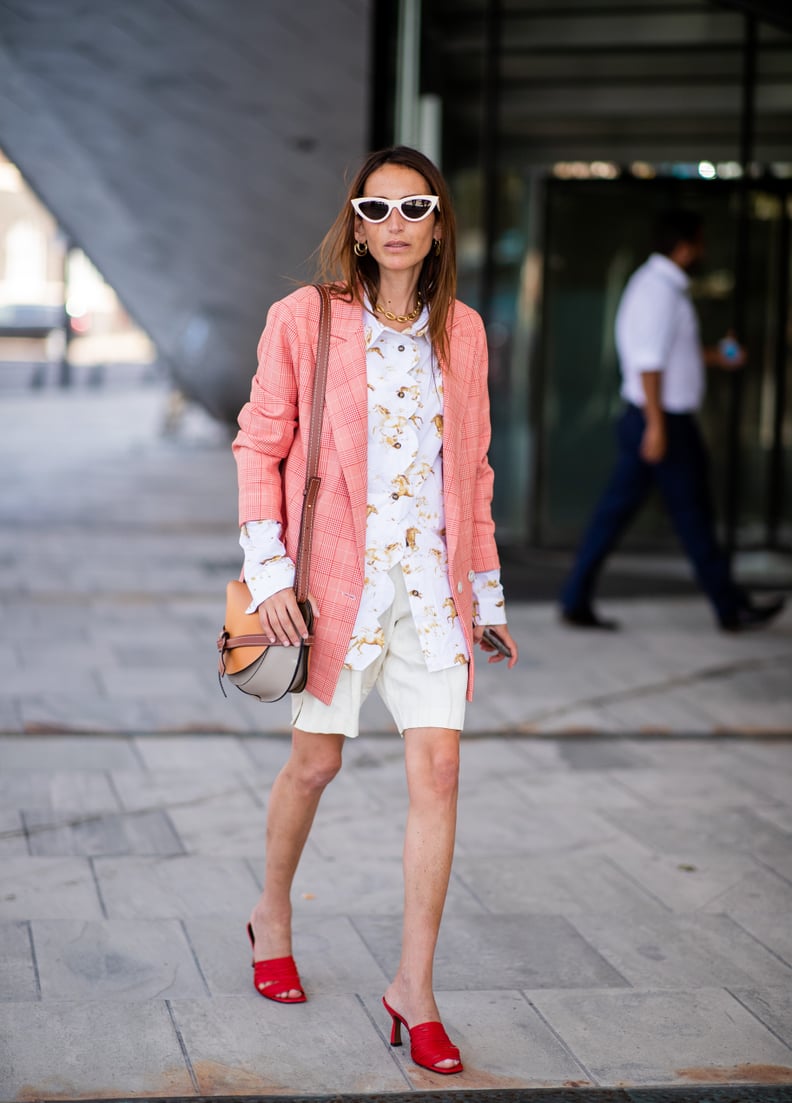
(752,616)
(587,618)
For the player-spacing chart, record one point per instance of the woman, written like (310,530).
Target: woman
(404,562)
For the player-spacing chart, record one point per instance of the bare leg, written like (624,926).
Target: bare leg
(313,763)
(432,762)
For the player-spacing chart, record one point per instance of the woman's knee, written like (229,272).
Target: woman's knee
(435,769)
(314,767)
(445,771)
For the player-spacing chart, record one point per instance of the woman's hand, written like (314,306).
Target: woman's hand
(281,620)
(503,634)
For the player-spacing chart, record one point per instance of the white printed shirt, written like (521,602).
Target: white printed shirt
(405,512)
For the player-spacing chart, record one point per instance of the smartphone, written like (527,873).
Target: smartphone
(497,643)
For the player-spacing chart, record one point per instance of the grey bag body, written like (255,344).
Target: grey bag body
(276,671)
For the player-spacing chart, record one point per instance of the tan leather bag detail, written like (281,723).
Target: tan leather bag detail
(240,623)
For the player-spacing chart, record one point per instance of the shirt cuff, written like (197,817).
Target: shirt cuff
(489,604)
(267,567)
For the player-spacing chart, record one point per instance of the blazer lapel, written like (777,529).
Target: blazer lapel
(346,403)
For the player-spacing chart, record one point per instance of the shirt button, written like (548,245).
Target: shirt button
(471,575)
(400,394)
(401,348)
(397,444)
(459,587)
(395,496)
(415,593)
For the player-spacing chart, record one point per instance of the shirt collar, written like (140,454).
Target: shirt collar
(374,327)
(665,267)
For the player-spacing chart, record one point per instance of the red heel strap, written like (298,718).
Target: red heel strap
(278,976)
(429,1045)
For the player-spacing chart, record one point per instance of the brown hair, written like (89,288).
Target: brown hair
(353,275)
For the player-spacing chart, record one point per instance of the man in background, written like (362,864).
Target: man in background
(660,445)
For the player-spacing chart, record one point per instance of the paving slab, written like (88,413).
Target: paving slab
(693,830)
(71,753)
(223,824)
(772,1007)
(127,682)
(93,835)
(32,888)
(17,965)
(383,838)
(682,1036)
(54,1050)
(12,833)
(518,826)
(245,1045)
(682,786)
(664,711)
(270,752)
(76,712)
(174,888)
(214,754)
(693,752)
(58,792)
(761,903)
(687,880)
(149,790)
(700,951)
(493,757)
(594,789)
(780,865)
(542,885)
(499,951)
(10,712)
(586,754)
(115,959)
(780,815)
(769,779)
(199,712)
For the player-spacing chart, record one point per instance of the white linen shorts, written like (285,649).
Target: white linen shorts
(415,696)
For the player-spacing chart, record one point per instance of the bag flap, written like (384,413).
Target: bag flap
(240,623)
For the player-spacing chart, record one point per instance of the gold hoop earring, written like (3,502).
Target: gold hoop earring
(361,248)
(437,246)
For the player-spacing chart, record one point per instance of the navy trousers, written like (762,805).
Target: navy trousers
(682,478)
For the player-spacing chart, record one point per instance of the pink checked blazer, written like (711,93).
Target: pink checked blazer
(271,445)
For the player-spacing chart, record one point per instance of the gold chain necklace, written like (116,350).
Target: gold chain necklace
(400,317)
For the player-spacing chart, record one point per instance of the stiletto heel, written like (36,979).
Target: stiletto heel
(278,972)
(396,1025)
(429,1043)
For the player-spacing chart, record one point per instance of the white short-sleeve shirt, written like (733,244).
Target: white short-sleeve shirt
(657,330)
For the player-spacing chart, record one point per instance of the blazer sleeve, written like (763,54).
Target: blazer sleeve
(485,552)
(267,423)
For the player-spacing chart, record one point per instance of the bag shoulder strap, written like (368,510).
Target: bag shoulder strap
(312,480)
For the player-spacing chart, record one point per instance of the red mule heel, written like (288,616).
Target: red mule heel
(278,972)
(429,1043)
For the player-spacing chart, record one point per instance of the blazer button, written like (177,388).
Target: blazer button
(471,575)
(459,587)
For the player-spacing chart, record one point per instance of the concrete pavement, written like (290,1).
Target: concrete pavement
(620,901)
